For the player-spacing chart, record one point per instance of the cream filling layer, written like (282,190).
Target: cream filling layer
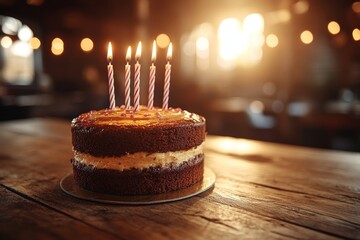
(138,160)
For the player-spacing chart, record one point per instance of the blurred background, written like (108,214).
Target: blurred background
(282,70)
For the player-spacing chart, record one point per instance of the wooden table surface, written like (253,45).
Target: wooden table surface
(262,191)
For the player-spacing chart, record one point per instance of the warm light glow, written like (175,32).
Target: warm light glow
(306,37)
(35,43)
(356,34)
(138,52)
(301,7)
(86,44)
(128,55)
(57,46)
(110,53)
(25,33)
(153,54)
(202,53)
(272,40)
(231,39)
(6,42)
(254,23)
(10,25)
(279,16)
(333,27)
(202,44)
(21,49)
(162,40)
(241,45)
(256,107)
(356,7)
(229,145)
(169,53)
(189,48)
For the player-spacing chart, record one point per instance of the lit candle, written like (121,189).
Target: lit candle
(167,78)
(127,78)
(137,78)
(152,77)
(111,77)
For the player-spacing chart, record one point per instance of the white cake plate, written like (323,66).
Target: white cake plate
(69,186)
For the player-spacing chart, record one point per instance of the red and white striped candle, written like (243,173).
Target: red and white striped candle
(111,78)
(152,77)
(127,78)
(137,78)
(167,78)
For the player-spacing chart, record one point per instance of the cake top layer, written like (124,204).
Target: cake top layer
(143,118)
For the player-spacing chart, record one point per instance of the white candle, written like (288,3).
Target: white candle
(111,78)
(137,78)
(152,77)
(167,78)
(127,78)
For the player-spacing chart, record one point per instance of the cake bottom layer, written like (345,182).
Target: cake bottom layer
(133,181)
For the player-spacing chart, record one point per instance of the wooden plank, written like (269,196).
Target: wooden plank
(21,218)
(262,191)
(195,218)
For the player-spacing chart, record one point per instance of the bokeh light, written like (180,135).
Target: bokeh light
(356,7)
(35,43)
(301,7)
(272,41)
(10,25)
(306,37)
(202,43)
(86,44)
(6,42)
(25,33)
(256,107)
(333,27)
(163,40)
(231,39)
(57,46)
(356,34)
(254,23)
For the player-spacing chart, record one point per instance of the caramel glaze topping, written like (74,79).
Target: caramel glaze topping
(143,118)
(118,132)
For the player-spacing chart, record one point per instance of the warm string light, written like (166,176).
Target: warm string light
(127,78)
(137,78)
(167,78)
(111,78)
(152,77)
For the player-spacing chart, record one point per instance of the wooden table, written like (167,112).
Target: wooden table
(262,191)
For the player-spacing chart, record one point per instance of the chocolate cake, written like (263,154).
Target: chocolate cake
(149,151)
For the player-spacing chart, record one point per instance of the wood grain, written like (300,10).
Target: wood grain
(26,219)
(262,191)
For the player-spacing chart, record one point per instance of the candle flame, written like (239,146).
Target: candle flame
(128,54)
(109,55)
(138,52)
(169,53)
(153,55)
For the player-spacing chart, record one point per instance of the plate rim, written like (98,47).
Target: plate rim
(208,181)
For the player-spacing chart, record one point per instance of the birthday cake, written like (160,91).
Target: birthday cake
(149,151)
